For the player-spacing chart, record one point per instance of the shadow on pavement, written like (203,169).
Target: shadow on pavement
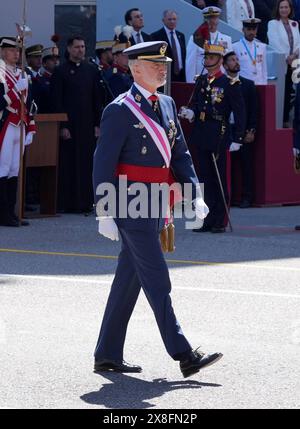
(129,392)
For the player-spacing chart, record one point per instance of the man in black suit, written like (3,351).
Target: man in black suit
(135,18)
(176,44)
(246,154)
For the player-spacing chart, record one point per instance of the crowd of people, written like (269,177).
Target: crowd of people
(83,87)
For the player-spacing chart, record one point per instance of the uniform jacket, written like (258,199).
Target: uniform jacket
(218,100)
(10,104)
(118,79)
(297,119)
(237,11)
(258,72)
(125,143)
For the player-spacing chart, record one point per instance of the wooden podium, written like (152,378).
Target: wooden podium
(43,154)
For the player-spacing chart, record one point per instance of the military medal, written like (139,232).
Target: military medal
(253,59)
(202,116)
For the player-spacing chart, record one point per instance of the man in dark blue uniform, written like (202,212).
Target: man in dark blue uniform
(245,156)
(215,98)
(118,76)
(145,145)
(50,60)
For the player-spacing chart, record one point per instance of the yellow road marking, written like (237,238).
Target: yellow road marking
(170,261)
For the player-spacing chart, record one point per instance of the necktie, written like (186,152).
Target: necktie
(155,106)
(154,99)
(138,38)
(249,8)
(175,54)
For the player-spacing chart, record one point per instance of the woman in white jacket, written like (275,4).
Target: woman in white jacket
(284,37)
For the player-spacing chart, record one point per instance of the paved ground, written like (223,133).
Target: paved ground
(236,293)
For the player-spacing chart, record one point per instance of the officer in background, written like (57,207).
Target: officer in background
(104,61)
(118,76)
(144,145)
(34,64)
(245,156)
(252,53)
(50,60)
(12,86)
(194,57)
(104,55)
(215,98)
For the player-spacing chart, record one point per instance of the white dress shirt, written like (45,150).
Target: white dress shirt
(168,31)
(134,35)
(145,93)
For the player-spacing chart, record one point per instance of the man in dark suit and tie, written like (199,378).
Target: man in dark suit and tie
(134,17)
(176,44)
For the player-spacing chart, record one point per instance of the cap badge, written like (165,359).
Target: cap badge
(163,50)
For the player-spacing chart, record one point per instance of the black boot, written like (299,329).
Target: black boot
(12,190)
(5,218)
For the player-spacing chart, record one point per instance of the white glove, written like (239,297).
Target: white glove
(201,208)
(296,152)
(29,138)
(234,147)
(108,228)
(21,84)
(186,113)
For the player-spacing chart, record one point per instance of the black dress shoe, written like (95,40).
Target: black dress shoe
(205,228)
(245,204)
(297,228)
(198,360)
(109,365)
(218,229)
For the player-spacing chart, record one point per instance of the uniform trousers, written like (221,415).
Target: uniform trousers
(10,152)
(212,191)
(141,265)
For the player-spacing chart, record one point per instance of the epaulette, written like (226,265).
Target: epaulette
(120,97)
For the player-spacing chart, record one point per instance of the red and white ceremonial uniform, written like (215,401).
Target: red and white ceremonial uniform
(10,121)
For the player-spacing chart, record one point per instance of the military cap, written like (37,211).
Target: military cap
(149,51)
(120,47)
(50,52)
(105,45)
(213,49)
(34,51)
(211,11)
(251,23)
(9,42)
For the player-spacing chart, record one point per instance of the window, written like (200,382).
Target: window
(73,20)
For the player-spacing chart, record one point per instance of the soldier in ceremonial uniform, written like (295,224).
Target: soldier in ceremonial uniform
(104,54)
(118,76)
(215,98)
(252,53)
(50,60)
(12,85)
(194,57)
(147,142)
(34,64)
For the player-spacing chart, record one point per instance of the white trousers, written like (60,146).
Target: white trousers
(10,152)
